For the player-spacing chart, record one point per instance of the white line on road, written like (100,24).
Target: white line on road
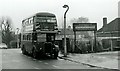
(34,59)
(15,61)
(29,57)
(36,68)
(39,61)
(55,66)
(46,63)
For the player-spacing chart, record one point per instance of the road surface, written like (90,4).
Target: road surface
(14,59)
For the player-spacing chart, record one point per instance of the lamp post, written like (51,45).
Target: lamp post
(65,48)
(0,31)
(17,38)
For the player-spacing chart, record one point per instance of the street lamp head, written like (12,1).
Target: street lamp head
(65,6)
(17,28)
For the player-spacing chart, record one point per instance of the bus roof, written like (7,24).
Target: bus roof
(45,14)
(41,14)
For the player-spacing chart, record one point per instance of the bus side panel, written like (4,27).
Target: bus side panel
(27,45)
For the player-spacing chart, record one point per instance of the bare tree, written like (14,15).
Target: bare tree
(82,20)
(79,20)
(7,33)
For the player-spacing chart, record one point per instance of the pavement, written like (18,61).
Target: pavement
(0,60)
(108,60)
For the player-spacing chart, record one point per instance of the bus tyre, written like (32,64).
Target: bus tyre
(34,54)
(24,50)
(55,55)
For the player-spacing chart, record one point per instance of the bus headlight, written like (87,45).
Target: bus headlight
(56,46)
(56,28)
(53,48)
(40,48)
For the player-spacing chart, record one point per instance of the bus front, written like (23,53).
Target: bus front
(46,29)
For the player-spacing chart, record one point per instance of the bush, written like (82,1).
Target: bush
(13,44)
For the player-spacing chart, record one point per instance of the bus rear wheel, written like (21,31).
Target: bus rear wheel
(24,51)
(34,54)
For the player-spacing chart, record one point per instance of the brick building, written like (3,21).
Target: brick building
(110,33)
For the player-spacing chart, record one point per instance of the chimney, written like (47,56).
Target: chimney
(104,22)
(119,9)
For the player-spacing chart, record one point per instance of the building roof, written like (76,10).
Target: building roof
(112,26)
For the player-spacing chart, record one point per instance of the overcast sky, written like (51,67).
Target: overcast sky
(95,10)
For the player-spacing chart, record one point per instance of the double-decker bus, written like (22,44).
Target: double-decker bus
(38,35)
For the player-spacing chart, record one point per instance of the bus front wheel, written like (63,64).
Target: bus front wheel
(55,55)
(24,50)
